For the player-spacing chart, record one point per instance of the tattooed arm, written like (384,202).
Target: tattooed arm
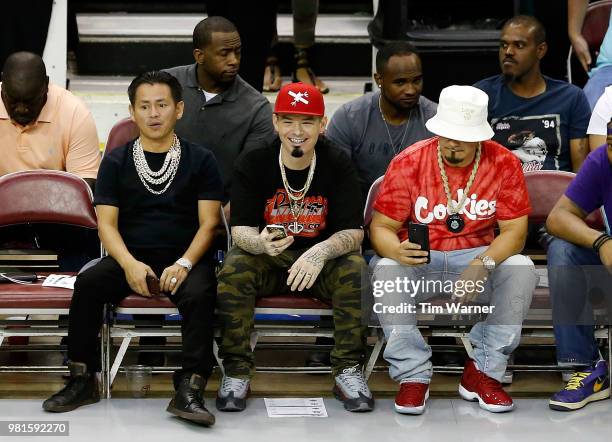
(341,243)
(305,270)
(250,240)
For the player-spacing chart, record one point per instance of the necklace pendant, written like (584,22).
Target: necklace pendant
(454,223)
(295,228)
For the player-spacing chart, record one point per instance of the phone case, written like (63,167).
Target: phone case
(277,228)
(153,285)
(419,234)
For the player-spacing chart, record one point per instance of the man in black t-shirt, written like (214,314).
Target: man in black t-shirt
(158,203)
(297,225)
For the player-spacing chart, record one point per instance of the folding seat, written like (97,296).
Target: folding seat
(50,197)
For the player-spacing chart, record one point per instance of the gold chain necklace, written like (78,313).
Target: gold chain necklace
(296,197)
(455,222)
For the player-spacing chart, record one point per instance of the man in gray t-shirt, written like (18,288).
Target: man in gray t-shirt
(376,127)
(222,111)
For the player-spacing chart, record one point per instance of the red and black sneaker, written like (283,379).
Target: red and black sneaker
(411,398)
(477,386)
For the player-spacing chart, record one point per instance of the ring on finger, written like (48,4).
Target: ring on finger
(173,280)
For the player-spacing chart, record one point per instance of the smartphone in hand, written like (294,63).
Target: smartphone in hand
(419,234)
(271,228)
(153,285)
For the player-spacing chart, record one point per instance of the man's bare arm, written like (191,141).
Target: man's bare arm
(576,11)
(579,149)
(108,230)
(566,221)
(596,140)
(510,241)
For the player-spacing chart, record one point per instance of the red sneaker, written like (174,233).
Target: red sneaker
(477,386)
(411,398)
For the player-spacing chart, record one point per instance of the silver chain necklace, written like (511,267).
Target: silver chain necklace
(454,222)
(165,175)
(401,145)
(296,197)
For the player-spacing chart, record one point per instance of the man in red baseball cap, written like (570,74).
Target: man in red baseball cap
(297,226)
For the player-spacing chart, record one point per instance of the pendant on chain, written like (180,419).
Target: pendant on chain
(295,228)
(455,223)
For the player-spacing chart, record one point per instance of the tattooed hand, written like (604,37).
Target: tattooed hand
(273,246)
(251,240)
(305,270)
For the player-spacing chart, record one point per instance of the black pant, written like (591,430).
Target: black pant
(106,283)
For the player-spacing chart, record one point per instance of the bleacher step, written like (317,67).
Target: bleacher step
(140,42)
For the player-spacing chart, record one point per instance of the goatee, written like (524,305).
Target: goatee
(297,152)
(452,159)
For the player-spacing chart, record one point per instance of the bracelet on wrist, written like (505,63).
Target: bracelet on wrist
(600,241)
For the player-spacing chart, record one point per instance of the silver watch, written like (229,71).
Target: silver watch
(185,263)
(489,263)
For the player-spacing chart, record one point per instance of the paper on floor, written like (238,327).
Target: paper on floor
(295,407)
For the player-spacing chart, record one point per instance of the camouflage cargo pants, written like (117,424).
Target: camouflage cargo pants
(244,277)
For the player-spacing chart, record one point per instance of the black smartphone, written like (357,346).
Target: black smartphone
(419,234)
(153,285)
(271,228)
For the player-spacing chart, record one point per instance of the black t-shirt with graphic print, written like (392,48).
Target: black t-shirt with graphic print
(333,202)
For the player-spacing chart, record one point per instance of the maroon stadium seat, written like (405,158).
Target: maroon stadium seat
(545,187)
(123,131)
(40,196)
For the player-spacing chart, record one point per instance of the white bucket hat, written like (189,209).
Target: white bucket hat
(462,115)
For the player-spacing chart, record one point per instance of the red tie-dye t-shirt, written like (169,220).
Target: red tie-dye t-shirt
(412,190)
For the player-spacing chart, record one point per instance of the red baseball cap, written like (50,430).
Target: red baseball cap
(299,98)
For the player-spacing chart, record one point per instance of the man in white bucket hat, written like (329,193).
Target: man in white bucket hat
(460,185)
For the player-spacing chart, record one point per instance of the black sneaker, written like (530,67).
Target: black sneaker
(352,389)
(81,389)
(188,403)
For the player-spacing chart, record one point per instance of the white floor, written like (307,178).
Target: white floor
(445,420)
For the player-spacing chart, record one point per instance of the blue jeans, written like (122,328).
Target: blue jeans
(572,309)
(594,88)
(509,291)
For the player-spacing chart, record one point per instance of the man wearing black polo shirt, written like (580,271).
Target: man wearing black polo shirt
(222,111)
(157,201)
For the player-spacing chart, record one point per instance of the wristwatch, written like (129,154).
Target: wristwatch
(489,263)
(185,263)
